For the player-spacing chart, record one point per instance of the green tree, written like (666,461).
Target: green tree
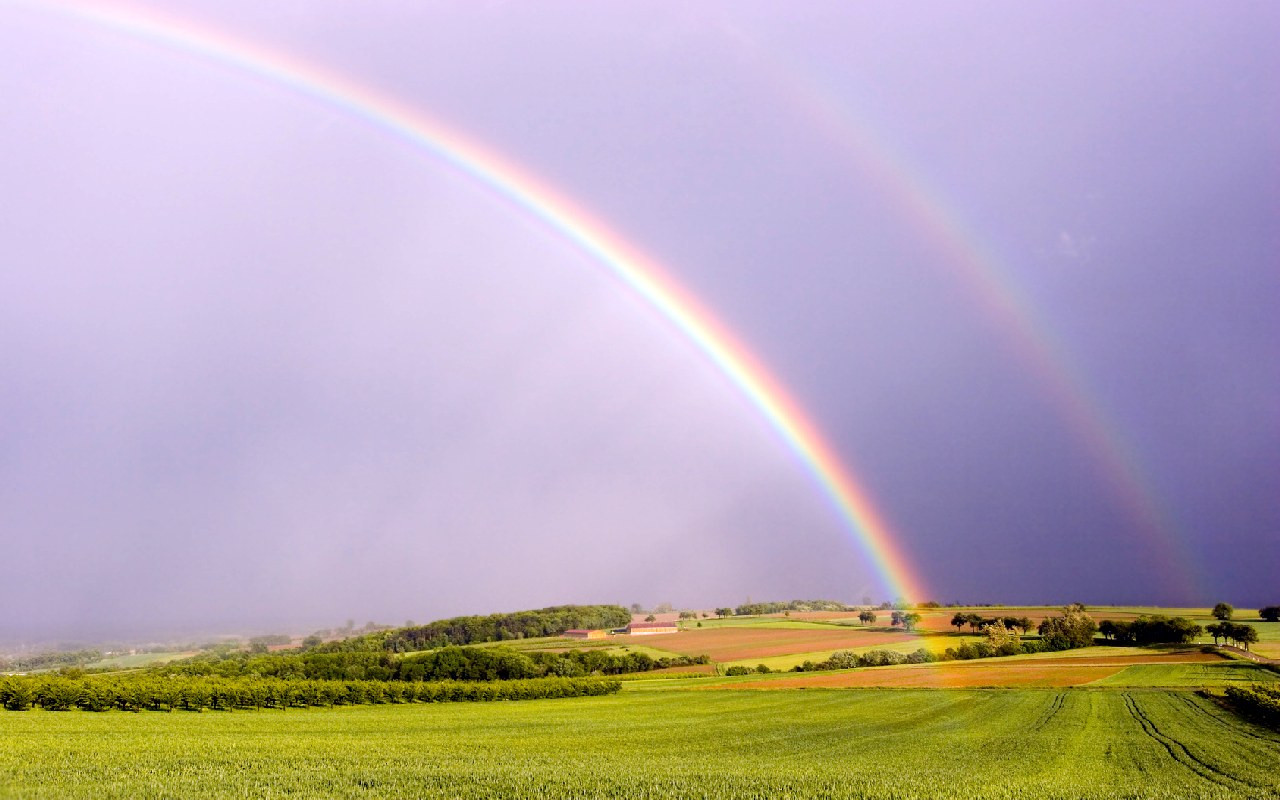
(1223,611)
(910,619)
(998,635)
(1270,613)
(959,620)
(1246,635)
(1074,628)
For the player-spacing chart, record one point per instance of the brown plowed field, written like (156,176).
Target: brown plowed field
(736,644)
(1047,672)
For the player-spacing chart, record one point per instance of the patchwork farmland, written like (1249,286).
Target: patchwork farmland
(1097,721)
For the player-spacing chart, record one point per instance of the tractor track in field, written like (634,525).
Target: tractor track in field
(1051,712)
(1204,712)
(1179,752)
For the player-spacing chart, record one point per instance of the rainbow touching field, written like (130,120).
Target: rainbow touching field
(530,195)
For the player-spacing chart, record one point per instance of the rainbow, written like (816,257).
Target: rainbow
(995,292)
(640,273)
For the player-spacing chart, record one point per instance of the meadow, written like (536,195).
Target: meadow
(663,743)
(1094,722)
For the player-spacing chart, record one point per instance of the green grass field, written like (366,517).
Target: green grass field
(854,744)
(1228,673)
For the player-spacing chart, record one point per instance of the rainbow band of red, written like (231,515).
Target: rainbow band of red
(637,271)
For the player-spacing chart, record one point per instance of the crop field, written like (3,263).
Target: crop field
(1220,674)
(716,744)
(748,642)
(1094,666)
(949,675)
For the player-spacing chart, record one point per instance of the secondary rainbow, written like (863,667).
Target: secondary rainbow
(996,293)
(640,273)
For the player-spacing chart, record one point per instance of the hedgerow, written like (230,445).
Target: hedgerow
(1259,702)
(187,693)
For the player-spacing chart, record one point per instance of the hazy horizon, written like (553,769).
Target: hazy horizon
(265,363)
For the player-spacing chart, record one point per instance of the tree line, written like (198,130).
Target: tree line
(977,622)
(1151,629)
(142,691)
(778,607)
(1233,633)
(551,621)
(495,663)
(50,660)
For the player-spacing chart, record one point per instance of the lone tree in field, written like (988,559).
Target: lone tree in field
(959,620)
(1270,613)
(910,620)
(867,617)
(1223,611)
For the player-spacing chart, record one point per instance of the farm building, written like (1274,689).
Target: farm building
(641,628)
(582,633)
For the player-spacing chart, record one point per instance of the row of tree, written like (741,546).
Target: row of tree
(141,691)
(1151,629)
(755,609)
(1233,633)
(477,629)
(50,660)
(977,622)
(447,663)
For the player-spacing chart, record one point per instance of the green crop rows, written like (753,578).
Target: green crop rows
(840,743)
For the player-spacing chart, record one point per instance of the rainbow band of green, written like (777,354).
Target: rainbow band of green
(637,271)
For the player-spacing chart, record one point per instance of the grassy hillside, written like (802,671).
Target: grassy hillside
(717,744)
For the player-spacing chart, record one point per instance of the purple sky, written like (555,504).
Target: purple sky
(264,365)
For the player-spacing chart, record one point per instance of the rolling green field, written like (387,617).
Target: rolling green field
(837,743)
(1131,725)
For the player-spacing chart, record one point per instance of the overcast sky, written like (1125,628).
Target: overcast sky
(264,365)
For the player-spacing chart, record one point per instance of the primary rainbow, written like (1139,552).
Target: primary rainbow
(636,270)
